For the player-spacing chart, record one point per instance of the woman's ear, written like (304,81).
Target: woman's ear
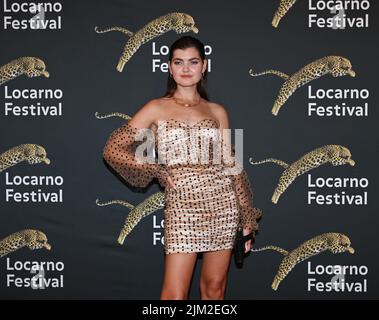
(205,65)
(169,67)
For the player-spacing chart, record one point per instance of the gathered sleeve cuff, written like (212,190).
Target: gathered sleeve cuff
(249,215)
(121,153)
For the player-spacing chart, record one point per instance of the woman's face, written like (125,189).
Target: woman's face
(187,67)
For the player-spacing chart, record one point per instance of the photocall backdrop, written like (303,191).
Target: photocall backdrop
(85,260)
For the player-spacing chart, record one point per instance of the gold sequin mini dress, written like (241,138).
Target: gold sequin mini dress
(207,205)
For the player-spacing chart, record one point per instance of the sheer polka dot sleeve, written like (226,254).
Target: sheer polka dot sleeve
(249,215)
(120,153)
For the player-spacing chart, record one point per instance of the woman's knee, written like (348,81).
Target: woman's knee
(213,287)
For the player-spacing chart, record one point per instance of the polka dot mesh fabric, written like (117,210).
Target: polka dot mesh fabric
(207,205)
(119,153)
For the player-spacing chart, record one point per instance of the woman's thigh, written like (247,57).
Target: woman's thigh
(178,270)
(215,266)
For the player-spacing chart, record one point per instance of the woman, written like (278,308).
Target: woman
(204,205)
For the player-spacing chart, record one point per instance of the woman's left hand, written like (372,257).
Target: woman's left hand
(248,244)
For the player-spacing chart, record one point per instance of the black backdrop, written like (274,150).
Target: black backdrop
(82,64)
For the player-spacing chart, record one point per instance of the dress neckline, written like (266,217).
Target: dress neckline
(193,124)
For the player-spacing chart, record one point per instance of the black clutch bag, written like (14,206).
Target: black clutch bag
(239,246)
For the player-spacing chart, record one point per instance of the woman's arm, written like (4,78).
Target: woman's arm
(248,214)
(120,150)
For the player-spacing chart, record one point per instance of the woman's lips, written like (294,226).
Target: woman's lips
(186,76)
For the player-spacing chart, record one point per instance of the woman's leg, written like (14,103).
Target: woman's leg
(178,269)
(214,273)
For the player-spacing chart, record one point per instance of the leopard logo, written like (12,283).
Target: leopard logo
(32,153)
(335,154)
(114,114)
(33,239)
(335,65)
(177,21)
(284,6)
(333,242)
(153,203)
(30,66)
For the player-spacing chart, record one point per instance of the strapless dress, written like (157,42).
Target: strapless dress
(207,205)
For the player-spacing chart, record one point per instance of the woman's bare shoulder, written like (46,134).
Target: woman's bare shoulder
(148,114)
(153,106)
(220,113)
(218,109)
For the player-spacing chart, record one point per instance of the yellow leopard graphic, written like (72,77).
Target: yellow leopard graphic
(335,154)
(177,21)
(153,203)
(114,114)
(33,239)
(284,6)
(30,66)
(335,65)
(333,242)
(32,153)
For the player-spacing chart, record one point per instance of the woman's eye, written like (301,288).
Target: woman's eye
(177,63)
(195,62)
